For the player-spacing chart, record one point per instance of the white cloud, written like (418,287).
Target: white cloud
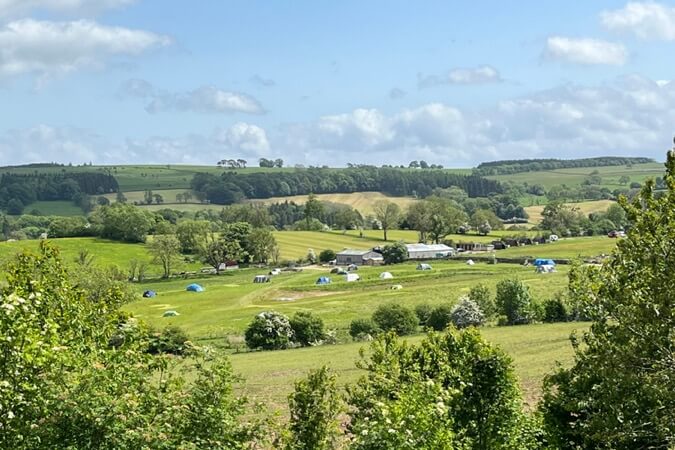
(244,137)
(646,20)
(585,51)
(460,75)
(16,8)
(50,48)
(205,99)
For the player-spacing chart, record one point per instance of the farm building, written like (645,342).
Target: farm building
(429,251)
(475,246)
(359,257)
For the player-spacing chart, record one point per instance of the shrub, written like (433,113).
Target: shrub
(480,294)
(467,314)
(555,310)
(360,329)
(423,311)
(327,256)
(269,331)
(395,317)
(514,302)
(307,328)
(395,253)
(314,406)
(171,339)
(440,317)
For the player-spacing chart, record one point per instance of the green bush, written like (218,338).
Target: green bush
(467,314)
(307,328)
(396,318)
(360,329)
(440,317)
(327,256)
(423,311)
(395,253)
(269,331)
(171,339)
(514,302)
(480,294)
(555,310)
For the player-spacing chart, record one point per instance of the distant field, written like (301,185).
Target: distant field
(610,175)
(535,350)
(55,208)
(568,248)
(361,201)
(585,207)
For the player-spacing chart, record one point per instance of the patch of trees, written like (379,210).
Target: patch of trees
(232,187)
(264,162)
(507,167)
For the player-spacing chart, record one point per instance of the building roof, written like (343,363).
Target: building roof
(352,252)
(428,248)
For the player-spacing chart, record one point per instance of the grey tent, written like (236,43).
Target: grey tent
(261,279)
(170,313)
(423,266)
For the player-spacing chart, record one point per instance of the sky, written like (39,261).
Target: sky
(330,83)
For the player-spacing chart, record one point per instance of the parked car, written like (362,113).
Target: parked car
(616,234)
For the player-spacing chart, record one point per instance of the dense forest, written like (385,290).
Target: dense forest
(232,187)
(17,191)
(507,167)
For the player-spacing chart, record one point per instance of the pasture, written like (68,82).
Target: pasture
(55,208)
(363,202)
(534,212)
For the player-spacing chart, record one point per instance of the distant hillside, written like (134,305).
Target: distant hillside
(507,167)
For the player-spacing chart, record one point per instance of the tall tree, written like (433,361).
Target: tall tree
(620,392)
(165,251)
(313,209)
(261,245)
(219,252)
(389,215)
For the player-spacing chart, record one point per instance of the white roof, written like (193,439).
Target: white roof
(349,251)
(428,248)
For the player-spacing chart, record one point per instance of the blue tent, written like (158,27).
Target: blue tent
(544,262)
(149,294)
(194,288)
(323,280)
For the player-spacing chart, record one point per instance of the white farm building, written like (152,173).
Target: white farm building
(429,251)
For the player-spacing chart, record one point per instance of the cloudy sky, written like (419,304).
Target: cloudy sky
(381,82)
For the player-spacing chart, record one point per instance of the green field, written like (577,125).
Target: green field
(574,177)
(535,349)
(55,208)
(568,248)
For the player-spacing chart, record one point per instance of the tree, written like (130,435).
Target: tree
(360,329)
(264,162)
(388,213)
(452,390)
(327,256)
(14,207)
(261,245)
(269,331)
(624,180)
(279,163)
(313,209)
(560,218)
(440,317)
(514,302)
(620,391)
(395,253)
(480,294)
(396,318)
(123,222)
(482,216)
(221,251)
(120,197)
(307,328)
(193,234)
(314,406)
(158,198)
(466,313)
(165,251)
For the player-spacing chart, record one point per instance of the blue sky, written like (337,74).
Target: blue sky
(150,81)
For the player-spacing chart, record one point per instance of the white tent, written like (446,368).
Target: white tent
(545,268)
(423,266)
(352,277)
(386,276)
(396,287)
(470,262)
(170,313)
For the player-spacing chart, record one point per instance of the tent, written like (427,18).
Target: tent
(261,279)
(423,266)
(194,287)
(338,270)
(396,287)
(544,262)
(386,276)
(323,280)
(545,268)
(149,294)
(352,267)
(275,272)
(352,277)
(170,313)
(469,262)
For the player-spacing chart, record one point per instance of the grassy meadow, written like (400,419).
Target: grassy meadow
(363,202)
(534,212)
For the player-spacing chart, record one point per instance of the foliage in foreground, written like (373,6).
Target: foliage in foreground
(620,393)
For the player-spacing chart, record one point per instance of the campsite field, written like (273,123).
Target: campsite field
(535,349)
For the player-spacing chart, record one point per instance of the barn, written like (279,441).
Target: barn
(429,251)
(358,257)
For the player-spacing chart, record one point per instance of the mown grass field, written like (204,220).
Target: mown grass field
(534,212)
(55,208)
(568,248)
(535,349)
(363,202)
(574,177)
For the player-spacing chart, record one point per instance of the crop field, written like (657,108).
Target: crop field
(231,300)
(535,349)
(361,201)
(574,177)
(585,207)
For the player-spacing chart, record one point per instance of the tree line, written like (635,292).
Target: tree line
(232,187)
(506,167)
